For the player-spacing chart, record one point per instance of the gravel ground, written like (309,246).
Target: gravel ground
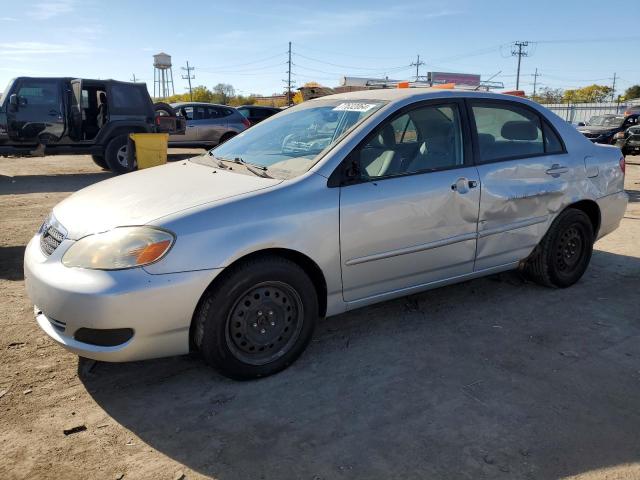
(493,378)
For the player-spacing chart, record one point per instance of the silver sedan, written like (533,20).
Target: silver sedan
(207,124)
(334,204)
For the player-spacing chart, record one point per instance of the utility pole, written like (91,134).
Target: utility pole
(189,77)
(134,79)
(289,78)
(517,50)
(535,81)
(613,87)
(417,64)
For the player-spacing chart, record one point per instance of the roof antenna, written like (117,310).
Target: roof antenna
(490,78)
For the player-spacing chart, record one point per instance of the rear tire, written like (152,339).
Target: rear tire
(226,136)
(563,255)
(100,161)
(258,320)
(116,155)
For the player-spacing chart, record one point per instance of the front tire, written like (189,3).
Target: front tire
(100,161)
(565,251)
(258,319)
(116,155)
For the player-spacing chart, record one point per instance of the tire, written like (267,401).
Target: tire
(116,155)
(563,255)
(100,161)
(165,108)
(225,137)
(258,319)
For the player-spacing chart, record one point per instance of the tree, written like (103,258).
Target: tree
(632,92)
(592,93)
(548,95)
(200,94)
(223,93)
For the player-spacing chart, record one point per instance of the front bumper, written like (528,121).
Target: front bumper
(158,308)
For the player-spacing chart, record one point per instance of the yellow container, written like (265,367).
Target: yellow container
(150,148)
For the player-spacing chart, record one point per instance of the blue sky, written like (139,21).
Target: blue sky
(244,43)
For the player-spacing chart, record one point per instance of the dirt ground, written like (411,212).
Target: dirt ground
(492,378)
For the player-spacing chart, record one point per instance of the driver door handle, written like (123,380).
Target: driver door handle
(556,169)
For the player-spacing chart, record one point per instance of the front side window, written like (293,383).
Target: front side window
(421,140)
(507,131)
(293,142)
(39,93)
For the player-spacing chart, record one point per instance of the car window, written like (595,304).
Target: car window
(185,111)
(127,98)
(421,140)
(507,131)
(39,93)
(552,143)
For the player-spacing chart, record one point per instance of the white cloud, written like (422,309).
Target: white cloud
(52,8)
(31,49)
(8,19)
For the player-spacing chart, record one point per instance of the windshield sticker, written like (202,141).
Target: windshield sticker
(355,107)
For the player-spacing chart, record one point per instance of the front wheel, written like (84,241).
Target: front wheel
(100,161)
(258,320)
(564,253)
(116,155)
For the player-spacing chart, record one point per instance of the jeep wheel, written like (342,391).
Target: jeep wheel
(99,161)
(116,155)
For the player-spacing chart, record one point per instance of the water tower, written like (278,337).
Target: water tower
(162,76)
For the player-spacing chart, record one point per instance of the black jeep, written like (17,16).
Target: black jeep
(75,116)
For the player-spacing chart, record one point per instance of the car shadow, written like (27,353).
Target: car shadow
(67,182)
(11,259)
(496,377)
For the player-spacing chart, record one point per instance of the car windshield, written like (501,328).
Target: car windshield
(606,121)
(290,143)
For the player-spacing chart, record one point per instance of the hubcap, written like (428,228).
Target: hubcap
(264,323)
(569,249)
(122,156)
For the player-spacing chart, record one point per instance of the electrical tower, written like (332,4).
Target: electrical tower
(519,49)
(535,81)
(417,64)
(133,78)
(189,77)
(288,80)
(613,88)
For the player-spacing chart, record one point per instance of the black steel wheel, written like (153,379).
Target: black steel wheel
(565,251)
(257,319)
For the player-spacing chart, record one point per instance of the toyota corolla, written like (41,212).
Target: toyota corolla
(334,204)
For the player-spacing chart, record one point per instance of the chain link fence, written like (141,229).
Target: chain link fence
(582,112)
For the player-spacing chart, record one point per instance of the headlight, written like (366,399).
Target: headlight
(123,247)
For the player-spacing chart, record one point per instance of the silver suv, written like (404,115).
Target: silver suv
(208,124)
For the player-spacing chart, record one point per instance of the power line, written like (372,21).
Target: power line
(613,87)
(288,80)
(189,77)
(519,49)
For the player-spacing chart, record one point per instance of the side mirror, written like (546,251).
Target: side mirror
(582,124)
(13,99)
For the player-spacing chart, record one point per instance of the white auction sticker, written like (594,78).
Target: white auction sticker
(354,107)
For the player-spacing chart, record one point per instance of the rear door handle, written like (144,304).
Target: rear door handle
(463,185)
(556,169)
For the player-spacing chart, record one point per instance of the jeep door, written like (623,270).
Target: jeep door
(409,216)
(35,111)
(524,173)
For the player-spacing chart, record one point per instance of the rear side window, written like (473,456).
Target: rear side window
(507,131)
(552,143)
(128,99)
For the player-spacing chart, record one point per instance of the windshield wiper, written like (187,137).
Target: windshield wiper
(254,168)
(219,161)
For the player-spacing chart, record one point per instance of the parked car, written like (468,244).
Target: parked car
(602,128)
(334,204)
(208,124)
(78,116)
(257,113)
(632,109)
(628,141)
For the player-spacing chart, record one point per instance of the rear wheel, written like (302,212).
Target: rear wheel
(258,320)
(116,155)
(100,161)
(226,136)
(564,253)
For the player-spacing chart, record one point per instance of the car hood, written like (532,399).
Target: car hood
(600,130)
(140,197)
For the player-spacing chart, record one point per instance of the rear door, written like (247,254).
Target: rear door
(39,115)
(524,173)
(210,122)
(411,218)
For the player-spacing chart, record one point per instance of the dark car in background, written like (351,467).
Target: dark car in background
(602,128)
(628,141)
(256,113)
(208,124)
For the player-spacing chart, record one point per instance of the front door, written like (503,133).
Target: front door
(210,124)
(38,115)
(524,172)
(411,216)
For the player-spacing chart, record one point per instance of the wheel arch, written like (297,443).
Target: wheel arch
(309,266)
(592,210)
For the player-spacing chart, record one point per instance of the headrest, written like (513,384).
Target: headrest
(386,137)
(103,97)
(519,130)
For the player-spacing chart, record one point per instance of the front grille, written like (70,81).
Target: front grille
(50,239)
